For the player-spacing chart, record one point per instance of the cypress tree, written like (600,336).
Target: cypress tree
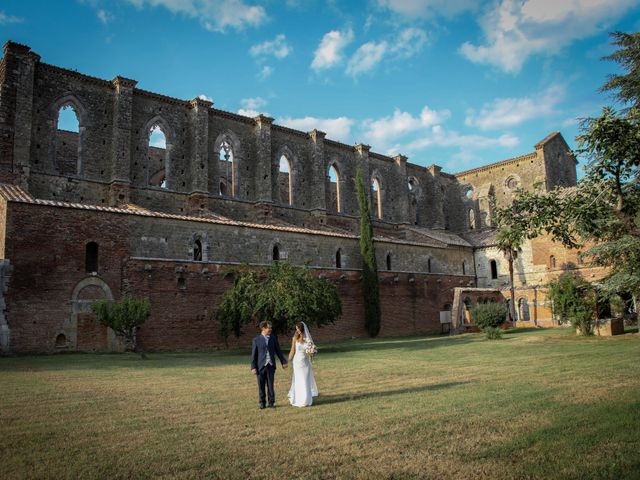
(370,283)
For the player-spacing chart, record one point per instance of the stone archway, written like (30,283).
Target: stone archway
(84,332)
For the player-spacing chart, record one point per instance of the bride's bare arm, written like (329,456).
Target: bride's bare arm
(293,349)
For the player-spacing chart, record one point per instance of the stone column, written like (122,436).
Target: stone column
(16,112)
(400,205)
(121,143)
(200,158)
(362,153)
(5,333)
(198,201)
(263,177)
(318,180)
(438,198)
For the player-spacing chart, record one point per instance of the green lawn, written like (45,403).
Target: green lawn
(537,404)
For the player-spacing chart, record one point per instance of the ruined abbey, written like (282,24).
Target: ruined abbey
(101,211)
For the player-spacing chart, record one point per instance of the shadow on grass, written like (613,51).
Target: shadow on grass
(348,397)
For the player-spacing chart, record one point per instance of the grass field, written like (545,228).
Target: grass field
(537,404)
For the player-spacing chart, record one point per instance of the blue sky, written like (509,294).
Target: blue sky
(458,83)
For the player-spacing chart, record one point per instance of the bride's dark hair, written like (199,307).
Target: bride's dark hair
(299,335)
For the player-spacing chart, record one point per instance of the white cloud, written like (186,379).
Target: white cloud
(407,43)
(438,136)
(202,96)
(380,131)
(412,9)
(509,112)
(253,103)
(251,106)
(329,52)
(515,30)
(104,16)
(265,72)
(335,128)
(410,42)
(6,19)
(366,58)
(214,15)
(277,47)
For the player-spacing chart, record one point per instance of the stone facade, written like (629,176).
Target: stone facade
(164,221)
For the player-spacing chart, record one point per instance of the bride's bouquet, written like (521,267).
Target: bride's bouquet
(310,349)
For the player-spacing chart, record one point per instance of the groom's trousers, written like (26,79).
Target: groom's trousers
(265,378)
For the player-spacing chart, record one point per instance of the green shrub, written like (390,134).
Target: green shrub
(493,333)
(574,300)
(489,315)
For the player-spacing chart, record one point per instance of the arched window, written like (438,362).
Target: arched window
(334,189)
(429,265)
(552,262)
(227,167)
(61,340)
(91,257)
(67,142)
(494,269)
(276,253)
(388,261)
(222,188)
(376,196)
(412,183)
(523,310)
(338,259)
(472,219)
(157,157)
(197,251)
(284,181)
(464,267)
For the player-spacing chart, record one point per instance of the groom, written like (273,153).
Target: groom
(264,350)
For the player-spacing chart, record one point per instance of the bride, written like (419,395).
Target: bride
(303,384)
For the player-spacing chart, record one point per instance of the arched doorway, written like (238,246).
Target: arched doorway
(84,332)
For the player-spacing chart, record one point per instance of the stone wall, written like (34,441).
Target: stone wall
(111,152)
(51,291)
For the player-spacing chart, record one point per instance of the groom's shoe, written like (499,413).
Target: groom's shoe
(272,405)
(261,406)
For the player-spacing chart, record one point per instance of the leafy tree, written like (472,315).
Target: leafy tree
(370,281)
(489,315)
(281,293)
(626,87)
(574,301)
(123,316)
(604,209)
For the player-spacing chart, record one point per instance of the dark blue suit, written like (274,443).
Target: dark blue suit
(266,373)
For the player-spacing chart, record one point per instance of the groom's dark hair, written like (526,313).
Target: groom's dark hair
(265,324)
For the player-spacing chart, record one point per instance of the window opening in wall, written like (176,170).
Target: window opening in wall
(464,267)
(338,259)
(429,265)
(284,181)
(472,219)
(223,188)
(91,257)
(276,253)
(388,261)
(552,261)
(494,269)
(61,340)
(228,167)
(157,157)
(334,189)
(197,251)
(68,140)
(376,196)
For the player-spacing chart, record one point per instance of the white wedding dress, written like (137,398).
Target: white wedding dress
(303,384)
